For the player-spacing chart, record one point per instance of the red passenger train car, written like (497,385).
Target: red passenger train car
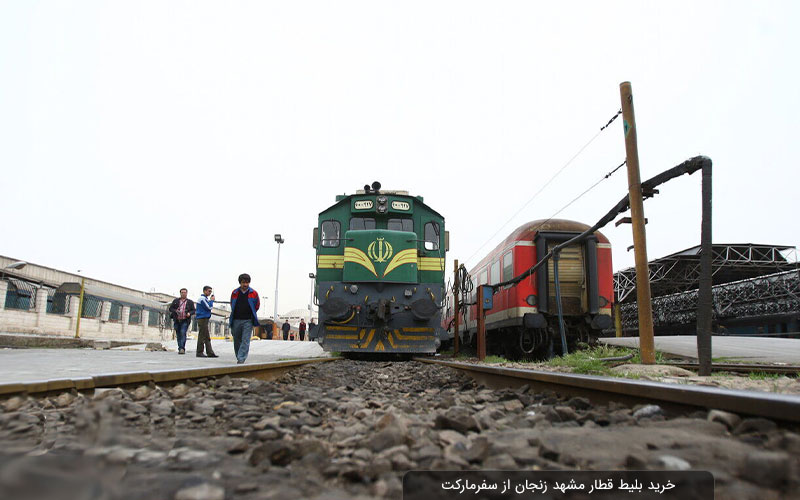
(523,321)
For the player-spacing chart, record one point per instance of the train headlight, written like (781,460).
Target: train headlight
(531,300)
(408,293)
(353,289)
(382,204)
(602,301)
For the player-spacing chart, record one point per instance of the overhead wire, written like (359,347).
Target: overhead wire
(545,185)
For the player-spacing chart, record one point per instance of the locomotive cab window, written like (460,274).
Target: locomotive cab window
(431,236)
(330,233)
(362,223)
(400,225)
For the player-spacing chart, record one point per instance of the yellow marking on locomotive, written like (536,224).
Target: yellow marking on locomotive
(330,261)
(380,346)
(396,346)
(369,337)
(345,328)
(342,337)
(356,256)
(430,264)
(408,256)
(418,329)
(400,336)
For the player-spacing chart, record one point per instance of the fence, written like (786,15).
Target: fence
(20,295)
(91,307)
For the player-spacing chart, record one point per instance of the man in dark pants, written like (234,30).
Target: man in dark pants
(181,311)
(285,329)
(204,305)
(244,304)
(302,329)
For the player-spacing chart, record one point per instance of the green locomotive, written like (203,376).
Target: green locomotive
(380,273)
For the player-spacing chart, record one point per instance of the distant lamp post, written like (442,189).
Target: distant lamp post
(279,241)
(15,266)
(311,302)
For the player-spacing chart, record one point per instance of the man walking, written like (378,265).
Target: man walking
(286,329)
(244,304)
(181,311)
(312,330)
(204,305)
(302,329)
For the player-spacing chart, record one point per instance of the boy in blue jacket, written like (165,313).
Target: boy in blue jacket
(244,304)
(203,315)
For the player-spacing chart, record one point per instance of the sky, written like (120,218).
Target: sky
(162,144)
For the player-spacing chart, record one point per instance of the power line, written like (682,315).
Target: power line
(545,185)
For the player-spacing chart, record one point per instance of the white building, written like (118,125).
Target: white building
(42,300)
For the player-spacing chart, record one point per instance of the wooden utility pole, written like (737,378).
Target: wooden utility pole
(456,289)
(643,302)
(705,297)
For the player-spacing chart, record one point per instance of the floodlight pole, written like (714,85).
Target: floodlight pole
(643,300)
(312,276)
(80,310)
(279,241)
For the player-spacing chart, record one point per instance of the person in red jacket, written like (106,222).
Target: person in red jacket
(244,304)
(302,329)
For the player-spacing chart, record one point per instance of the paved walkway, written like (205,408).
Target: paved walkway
(749,349)
(27,365)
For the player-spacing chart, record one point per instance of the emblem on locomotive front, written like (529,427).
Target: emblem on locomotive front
(379,250)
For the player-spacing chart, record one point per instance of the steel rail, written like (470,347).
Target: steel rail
(267,371)
(743,368)
(776,406)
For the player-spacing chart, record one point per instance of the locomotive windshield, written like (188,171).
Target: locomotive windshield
(400,225)
(362,223)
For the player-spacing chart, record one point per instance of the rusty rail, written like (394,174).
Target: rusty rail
(597,388)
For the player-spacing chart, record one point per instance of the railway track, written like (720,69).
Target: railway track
(604,389)
(351,429)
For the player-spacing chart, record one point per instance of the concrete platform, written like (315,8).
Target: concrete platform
(28,365)
(749,349)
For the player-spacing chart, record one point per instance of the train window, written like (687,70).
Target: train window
(508,267)
(330,233)
(362,223)
(495,272)
(400,225)
(431,236)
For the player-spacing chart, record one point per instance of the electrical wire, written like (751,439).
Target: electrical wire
(537,193)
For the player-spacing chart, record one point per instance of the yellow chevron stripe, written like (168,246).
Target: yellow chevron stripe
(408,256)
(342,337)
(356,256)
(347,328)
(369,338)
(380,346)
(418,329)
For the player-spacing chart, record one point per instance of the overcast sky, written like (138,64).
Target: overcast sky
(162,144)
